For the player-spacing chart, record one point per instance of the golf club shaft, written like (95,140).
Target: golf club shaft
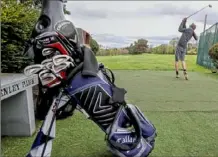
(57,102)
(197,12)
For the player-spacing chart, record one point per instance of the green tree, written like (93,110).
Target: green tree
(94,45)
(213,53)
(173,42)
(38,4)
(17,21)
(189,47)
(140,46)
(163,49)
(67,12)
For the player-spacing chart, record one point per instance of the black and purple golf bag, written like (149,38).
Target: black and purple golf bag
(128,132)
(90,88)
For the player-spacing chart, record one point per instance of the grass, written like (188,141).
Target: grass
(148,62)
(185,113)
(154,62)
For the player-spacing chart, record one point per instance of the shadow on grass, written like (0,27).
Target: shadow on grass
(102,154)
(213,75)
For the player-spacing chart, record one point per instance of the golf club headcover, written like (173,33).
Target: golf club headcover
(125,140)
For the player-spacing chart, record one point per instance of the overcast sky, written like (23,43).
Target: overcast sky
(119,23)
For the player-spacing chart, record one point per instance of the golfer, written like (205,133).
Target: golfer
(181,48)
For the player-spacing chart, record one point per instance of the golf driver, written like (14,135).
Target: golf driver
(210,6)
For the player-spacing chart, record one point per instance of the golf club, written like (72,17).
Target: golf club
(210,6)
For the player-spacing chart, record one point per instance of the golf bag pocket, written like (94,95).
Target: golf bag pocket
(93,94)
(148,129)
(131,134)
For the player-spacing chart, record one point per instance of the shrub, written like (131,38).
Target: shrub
(192,51)
(17,21)
(112,52)
(163,49)
(213,53)
(94,45)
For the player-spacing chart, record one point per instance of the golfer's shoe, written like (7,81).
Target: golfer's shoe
(186,75)
(177,76)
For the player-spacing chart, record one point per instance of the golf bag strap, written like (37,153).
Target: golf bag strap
(74,71)
(112,76)
(118,97)
(90,66)
(104,71)
(134,121)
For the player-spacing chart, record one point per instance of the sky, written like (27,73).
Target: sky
(120,23)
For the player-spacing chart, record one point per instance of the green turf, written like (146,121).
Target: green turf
(161,91)
(148,62)
(185,113)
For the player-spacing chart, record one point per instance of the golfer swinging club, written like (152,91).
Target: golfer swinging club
(181,48)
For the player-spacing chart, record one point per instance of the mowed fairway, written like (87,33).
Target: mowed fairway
(185,113)
(147,62)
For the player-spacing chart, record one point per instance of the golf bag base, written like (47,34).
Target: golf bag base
(120,137)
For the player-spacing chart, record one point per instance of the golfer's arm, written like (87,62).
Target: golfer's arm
(195,36)
(182,27)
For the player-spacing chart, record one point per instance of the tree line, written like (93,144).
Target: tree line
(141,46)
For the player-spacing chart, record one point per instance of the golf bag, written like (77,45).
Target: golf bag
(90,88)
(104,104)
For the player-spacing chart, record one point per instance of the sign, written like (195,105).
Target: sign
(14,88)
